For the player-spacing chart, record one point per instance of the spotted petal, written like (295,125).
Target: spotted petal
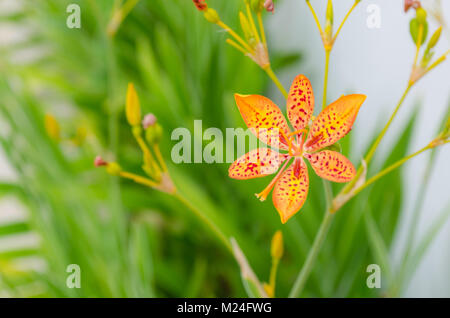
(331,165)
(256,163)
(291,190)
(334,122)
(264,119)
(300,102)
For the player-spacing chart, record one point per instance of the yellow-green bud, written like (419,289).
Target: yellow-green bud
(421,15)
(113,168)
(257,5)
(276,247)
(330,15)
(212,16)
(52,127)
(434,39)
(153,134)
(132,107)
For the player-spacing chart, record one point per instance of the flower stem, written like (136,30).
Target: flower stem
(325,80)
(312,255)
(389,169)
(275,79)
(345,19)
(315,17)
(375,145)
(261,28)
(210,224)
(235,35)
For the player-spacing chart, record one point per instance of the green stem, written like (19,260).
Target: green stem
(326,222)
(275,79)
(325,81)
(389,169)
(312,255)
(375,145)
(210,224)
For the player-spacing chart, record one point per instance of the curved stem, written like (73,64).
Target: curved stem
(315,17)
(210,224)
(275,79)
(345,19)
(389,169)
(374,147)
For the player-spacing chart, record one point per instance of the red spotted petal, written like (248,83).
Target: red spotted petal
(300,103)
(334,122)
(331,165)
(264,119)
(291,190)
(256,163)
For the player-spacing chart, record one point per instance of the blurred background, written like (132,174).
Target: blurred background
(56,209)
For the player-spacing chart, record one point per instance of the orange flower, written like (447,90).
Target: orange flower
(307,141)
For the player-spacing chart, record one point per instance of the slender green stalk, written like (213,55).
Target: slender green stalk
(389,169)
(345,19)
(325,81)
(275,79)
(375,145)
(328,217)
(312,256)
(210,224)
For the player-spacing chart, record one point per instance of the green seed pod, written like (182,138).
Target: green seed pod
(414,27)
(330,14)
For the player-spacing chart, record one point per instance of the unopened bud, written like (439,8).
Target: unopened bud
(200,4)
(153,134)
(421,15)
(52,127)
(268,4)
(434,39)
(132,107)
(98,162)
(113,168)
(149,120)
(212,16)
(276,247)
(329,14)
(412,4)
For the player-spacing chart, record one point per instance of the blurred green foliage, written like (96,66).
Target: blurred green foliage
(131,241)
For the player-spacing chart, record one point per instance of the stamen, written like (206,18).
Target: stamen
(264,193)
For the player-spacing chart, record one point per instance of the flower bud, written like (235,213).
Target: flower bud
(98,162)
(257,5)
(434,39)
(276,247)
(412,4)
(52,127)
(132,107)
(421,15)
(268,4)
(149,120)
(212,16)
(200,4)
(329,14)
(153,134)
(113,168)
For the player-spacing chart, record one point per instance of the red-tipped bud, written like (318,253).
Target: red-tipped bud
(200,4)
(412,4)
(149,120)
(268,4)
(98,162)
